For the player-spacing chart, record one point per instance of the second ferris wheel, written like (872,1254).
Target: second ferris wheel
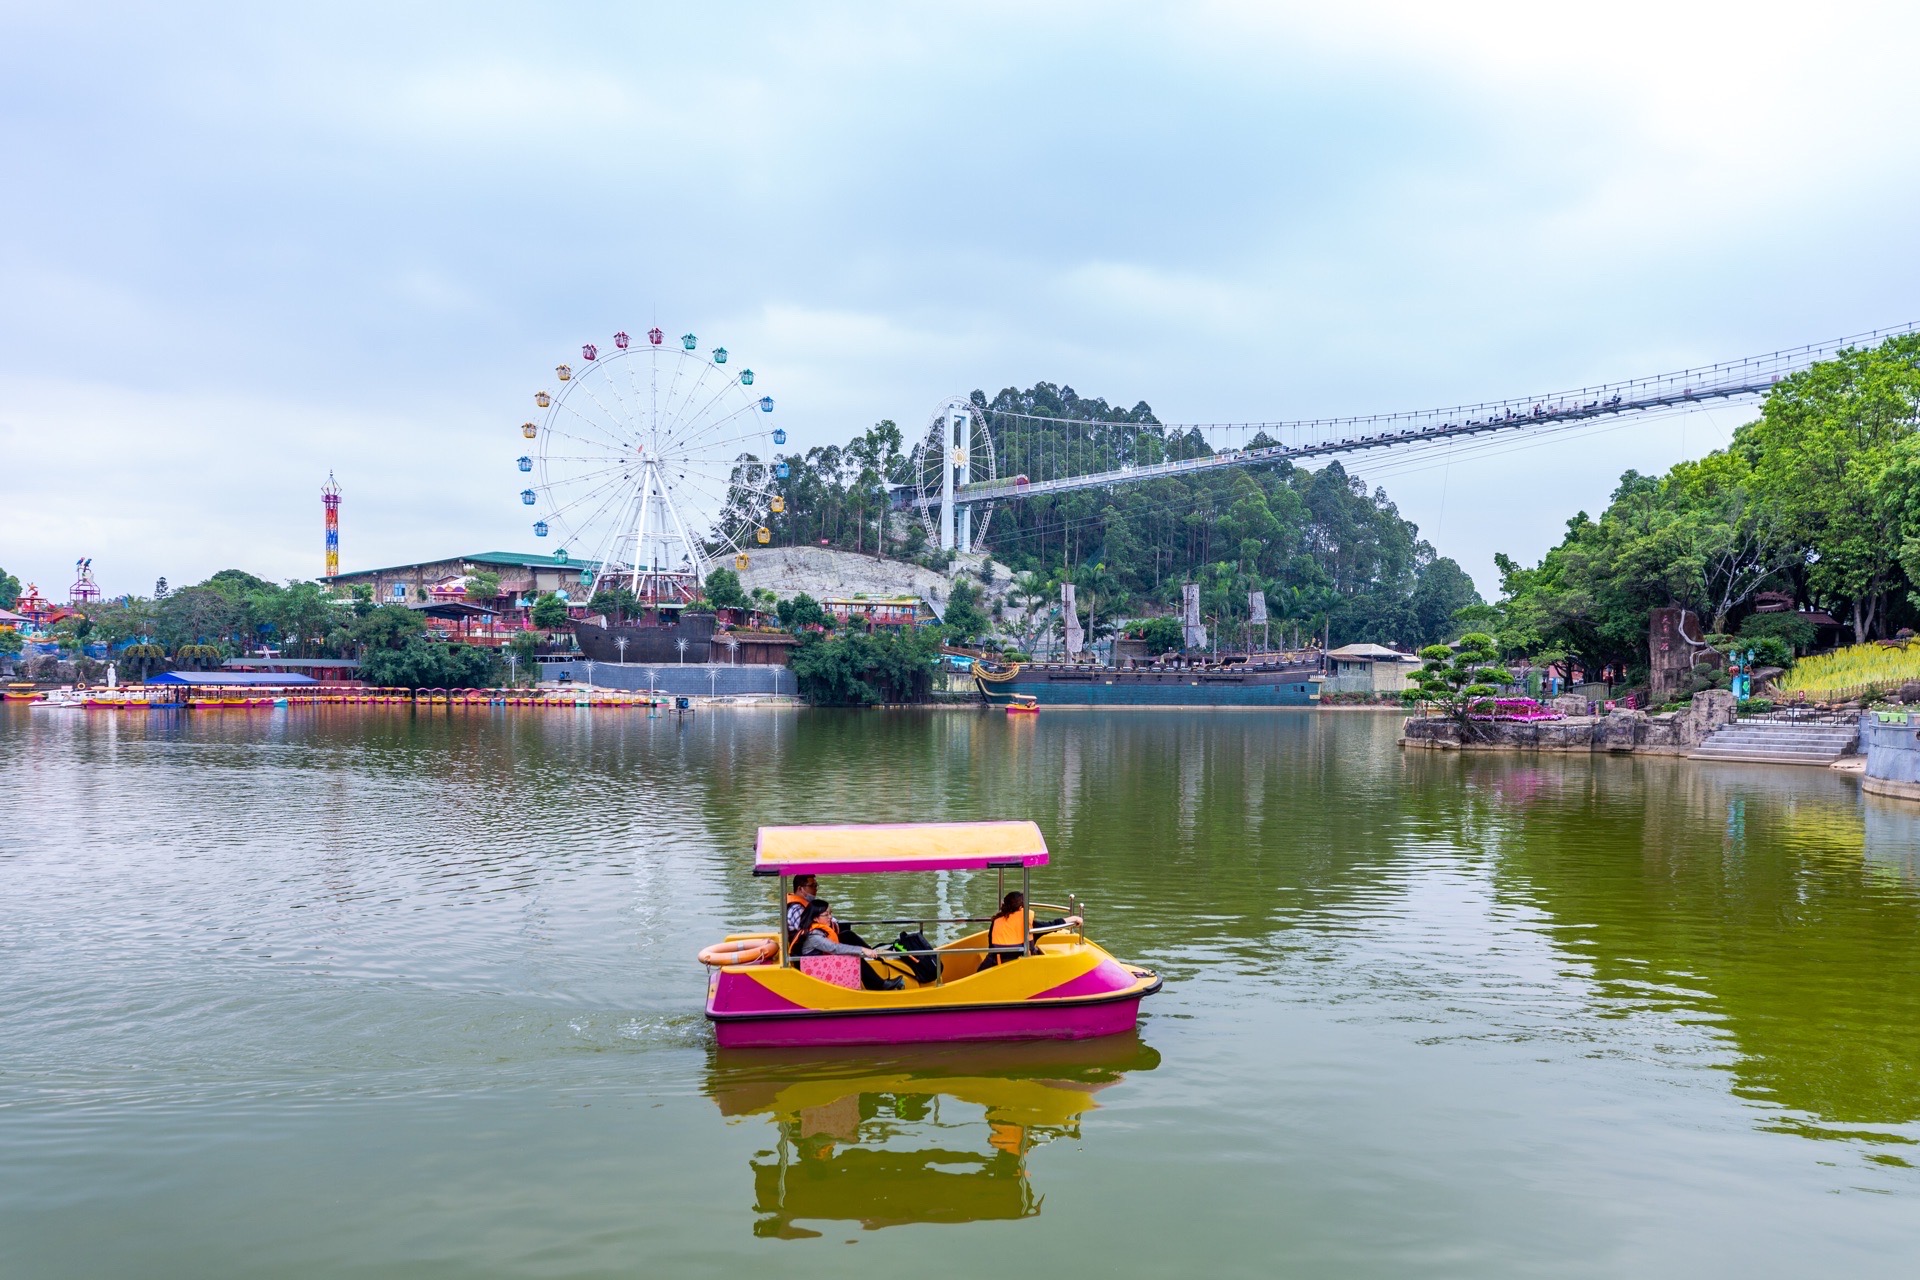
(652,460)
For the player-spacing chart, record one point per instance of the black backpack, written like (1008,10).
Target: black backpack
(914,954)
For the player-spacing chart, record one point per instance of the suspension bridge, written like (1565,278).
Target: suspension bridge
(966,464)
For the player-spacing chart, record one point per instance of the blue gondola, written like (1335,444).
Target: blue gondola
(527,496)
(539,528)
(524,462)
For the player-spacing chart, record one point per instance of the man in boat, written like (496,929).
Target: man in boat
(1013,931)
(805,889)
(821,935)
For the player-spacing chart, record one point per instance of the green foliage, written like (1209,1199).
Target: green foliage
(1832,458)
(1322,547)
(10,643)
(799,612)
(1819,498)
(483,585)
(1453,679)
(9,589)
(236,585)
(1768,651)
(723,590)
(198,657)
(963,619)
(1794,631)
(550,612)
(857,669)
(389,627)
(1163,634)
(428,664)
(144,659)
(617,603)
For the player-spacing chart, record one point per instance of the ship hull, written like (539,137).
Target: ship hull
(1107,687)
(648,643)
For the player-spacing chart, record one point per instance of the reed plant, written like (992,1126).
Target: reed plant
(1857,671)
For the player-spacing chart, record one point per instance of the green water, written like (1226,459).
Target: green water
(347,991)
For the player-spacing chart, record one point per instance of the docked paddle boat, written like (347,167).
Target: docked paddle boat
(1023,704)
(1064,988)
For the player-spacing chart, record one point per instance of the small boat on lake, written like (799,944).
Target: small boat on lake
(1059,986)
(1023,704)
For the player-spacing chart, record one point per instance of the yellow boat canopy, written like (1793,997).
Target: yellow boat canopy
(901,846)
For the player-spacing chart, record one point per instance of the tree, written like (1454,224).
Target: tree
(1442,591)
(1162,635)
(429,664)
(723,590)
(525,645)
(799,612)
(483,585)
(963,620)
(389,627)
(1455,679)
(9,589)
(550,612)
(1820,453)
(857,669)
(617,603)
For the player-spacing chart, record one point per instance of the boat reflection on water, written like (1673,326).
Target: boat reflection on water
(933,1134)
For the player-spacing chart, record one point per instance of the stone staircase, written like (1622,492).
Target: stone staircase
(1814,742)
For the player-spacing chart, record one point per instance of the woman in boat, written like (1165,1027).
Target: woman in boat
(819,935)
(1012,932)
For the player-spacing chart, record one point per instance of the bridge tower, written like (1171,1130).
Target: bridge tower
(956,522)
(330,499)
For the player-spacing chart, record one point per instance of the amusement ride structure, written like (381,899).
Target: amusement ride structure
(330,499)
(84,590)
(654,461)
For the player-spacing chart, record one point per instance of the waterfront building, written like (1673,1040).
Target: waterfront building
(881,611)
(523,579)
(1368,668)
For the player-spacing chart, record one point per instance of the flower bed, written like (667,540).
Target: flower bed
(1521,709)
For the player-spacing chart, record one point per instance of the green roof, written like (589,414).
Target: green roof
(521,560)
(507,559)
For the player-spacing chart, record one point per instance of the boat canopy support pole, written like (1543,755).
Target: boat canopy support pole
(782,908)
(1026,900)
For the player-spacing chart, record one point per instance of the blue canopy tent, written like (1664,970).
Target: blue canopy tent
(233,679)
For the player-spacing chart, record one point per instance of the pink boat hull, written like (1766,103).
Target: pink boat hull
(1056,1022)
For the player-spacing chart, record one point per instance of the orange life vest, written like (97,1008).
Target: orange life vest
(1010,930)
(826,926)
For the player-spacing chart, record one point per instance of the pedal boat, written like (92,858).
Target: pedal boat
(1071,990)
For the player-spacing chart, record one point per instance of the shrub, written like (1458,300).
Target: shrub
(1795,630)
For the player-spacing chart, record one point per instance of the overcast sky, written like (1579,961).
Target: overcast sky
(241,247)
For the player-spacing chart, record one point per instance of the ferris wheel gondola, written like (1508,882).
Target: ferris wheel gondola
(653,460)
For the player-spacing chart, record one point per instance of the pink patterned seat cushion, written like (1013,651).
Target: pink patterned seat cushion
(841,971)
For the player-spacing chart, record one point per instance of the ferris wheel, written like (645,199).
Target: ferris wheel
(653,461)
(957,449)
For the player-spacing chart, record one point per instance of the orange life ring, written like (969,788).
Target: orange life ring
(739,951)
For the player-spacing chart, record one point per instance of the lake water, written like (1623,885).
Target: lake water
(361,991)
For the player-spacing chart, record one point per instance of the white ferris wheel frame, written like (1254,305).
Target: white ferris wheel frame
(657,468)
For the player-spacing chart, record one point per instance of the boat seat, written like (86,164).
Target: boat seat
(841,971)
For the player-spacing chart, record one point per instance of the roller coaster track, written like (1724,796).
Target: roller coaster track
(1325,437)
